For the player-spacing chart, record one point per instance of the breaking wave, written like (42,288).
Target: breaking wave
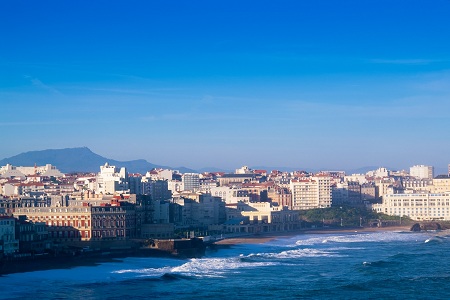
(203,267)
(376,237)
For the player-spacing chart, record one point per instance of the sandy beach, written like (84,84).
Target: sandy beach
(266,237)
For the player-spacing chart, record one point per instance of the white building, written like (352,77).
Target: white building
(160,174)
(379,173)
(243,170)
(47,170)
(9,171)
(311,192)
(175,186)
(230,195)
(418,206)
(360,178)
(422,172)
(111,180)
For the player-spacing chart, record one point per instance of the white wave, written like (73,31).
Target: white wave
(359,237)
(146,271)
(203,267)
(215,266)
(297,253)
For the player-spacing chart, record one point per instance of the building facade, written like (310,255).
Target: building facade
(422,172)
(112,180)
(418,206)
(311,192)
(8,242)
(191,182)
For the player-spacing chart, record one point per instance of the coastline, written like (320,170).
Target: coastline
(49,263)
(269,236)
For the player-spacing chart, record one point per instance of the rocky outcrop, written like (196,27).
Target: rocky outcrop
(416,227)
(426,226)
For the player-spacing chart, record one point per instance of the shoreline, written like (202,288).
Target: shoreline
(68,262)
(269,236)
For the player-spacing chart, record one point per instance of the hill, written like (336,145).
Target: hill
(79,160)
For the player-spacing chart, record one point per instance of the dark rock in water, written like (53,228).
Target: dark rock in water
(416,227)
(431,226)
(426,226)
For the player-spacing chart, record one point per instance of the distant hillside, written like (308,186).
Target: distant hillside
(79,160)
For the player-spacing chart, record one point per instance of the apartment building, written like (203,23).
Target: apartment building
(422,172)
(112,180)
(191,182)
(280,196)
(311,192)
(198,209)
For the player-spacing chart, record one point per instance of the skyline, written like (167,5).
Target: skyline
(318,85)
(92,161)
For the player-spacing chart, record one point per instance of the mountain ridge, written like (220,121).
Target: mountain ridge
(80,159)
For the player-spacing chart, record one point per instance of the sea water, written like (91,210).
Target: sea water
(382,265)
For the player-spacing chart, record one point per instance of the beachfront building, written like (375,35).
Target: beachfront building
(8,242)
(33,237)
(64,223)
(84,222)
(420,206)
(260,217)
(115,222)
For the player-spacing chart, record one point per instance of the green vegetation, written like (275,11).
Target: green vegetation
(345,216)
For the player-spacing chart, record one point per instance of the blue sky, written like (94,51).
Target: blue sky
(305,84)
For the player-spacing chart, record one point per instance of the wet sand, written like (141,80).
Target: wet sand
(266,237)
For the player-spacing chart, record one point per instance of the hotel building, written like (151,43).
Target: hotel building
(422,206)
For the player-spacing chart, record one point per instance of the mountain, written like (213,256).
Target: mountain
(80,160)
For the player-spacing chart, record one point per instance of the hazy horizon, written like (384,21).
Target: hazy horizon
(362,169)
(323,84)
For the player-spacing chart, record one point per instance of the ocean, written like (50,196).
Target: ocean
(355,265)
